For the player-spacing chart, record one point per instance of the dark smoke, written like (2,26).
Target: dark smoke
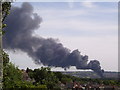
(21,24)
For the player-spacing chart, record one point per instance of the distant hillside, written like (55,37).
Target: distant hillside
(90,74)
(109,74)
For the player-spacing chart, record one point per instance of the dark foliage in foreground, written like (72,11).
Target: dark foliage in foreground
(42,78)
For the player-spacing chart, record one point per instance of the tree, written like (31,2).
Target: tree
(66,80)
(4,11)
(11,76)
(6,6)
(59,75)
(45,77)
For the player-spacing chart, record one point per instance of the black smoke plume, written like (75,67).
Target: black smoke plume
(21,24)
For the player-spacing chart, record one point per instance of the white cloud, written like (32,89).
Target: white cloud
(22,60)
(60,20)
(78,25)
(88,4)
(55,13)
(71,4)
(66,0)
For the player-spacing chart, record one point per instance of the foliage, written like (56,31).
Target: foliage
(5,58)
(5,12)
(65,79)
(5,9)
(12,76)
(59,75)
(43,76)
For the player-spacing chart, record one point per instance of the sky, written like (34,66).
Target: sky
(91,27)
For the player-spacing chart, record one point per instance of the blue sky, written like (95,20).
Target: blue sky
(95,15)
(91,27)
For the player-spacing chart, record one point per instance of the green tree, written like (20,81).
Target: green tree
(59,75)
(11,76)
(6,6)
(66,80)
(44,76)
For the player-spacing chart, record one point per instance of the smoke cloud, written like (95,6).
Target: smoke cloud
(21,24)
